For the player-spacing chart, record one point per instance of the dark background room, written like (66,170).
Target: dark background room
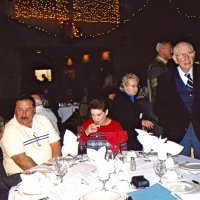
(53,47)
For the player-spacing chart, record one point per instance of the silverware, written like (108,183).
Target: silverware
(196,182)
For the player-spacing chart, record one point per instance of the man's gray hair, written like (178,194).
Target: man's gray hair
(179,43)
(160,45)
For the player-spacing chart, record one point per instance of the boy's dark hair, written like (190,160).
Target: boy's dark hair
(98,104)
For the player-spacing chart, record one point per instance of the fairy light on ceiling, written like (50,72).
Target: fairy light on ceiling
(97,11)
(78,11)
(84,10)
(42,9)
(188,13)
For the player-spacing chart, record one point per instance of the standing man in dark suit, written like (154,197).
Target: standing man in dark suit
(177,103)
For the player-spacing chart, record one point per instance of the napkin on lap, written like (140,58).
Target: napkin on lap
(70,144)
(155,192)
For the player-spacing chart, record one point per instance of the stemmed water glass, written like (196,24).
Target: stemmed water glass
(160,169)
(103,177)
(60,168)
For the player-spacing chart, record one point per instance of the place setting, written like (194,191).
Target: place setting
(106,172)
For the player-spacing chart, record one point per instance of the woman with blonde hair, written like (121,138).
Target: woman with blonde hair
(126,111)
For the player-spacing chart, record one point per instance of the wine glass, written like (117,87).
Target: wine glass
(160,169)
(82,150)
(60,168)
(103,177)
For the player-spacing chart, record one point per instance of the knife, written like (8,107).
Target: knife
(196,182)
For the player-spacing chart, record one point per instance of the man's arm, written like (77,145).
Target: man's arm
(56,149)
(23,161)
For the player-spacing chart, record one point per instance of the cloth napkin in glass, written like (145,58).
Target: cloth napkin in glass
(159,145)
(70,144)
(155,192)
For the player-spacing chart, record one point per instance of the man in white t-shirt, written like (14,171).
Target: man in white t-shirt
(29,139)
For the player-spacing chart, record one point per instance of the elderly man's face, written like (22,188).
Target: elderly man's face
(24,112)
(184,56)
(166,51)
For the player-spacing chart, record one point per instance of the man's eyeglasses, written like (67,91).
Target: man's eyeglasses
(182,55)
(37,139)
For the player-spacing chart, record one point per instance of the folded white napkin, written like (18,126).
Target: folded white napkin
(159,145)
(149,142)
(36,183)
(70,144)
(96,154)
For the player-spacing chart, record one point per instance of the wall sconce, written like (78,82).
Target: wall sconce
(105,55)
(69,61)
(86,58)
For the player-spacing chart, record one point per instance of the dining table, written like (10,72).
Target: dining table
(81,178)
(66,110)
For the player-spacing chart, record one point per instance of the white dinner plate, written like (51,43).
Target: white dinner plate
(26,189)
(191,166)
(182,187)
(103,195)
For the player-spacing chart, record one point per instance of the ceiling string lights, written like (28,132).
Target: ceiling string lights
(42,9)
(100,11)
(184,12)
(84,10)
(96,11)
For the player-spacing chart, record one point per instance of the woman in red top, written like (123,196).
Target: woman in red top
(101,130)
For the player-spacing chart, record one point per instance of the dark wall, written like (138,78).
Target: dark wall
(132,45)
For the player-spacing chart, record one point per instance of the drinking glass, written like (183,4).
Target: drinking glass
(160,169)
(60,168)
(103,177)
(82,150)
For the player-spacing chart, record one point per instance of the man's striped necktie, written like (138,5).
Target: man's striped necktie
(189,84)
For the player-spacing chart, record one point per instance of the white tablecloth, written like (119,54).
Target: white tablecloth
(66,111)
(87,169)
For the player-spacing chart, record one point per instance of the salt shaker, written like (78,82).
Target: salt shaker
(132,164)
